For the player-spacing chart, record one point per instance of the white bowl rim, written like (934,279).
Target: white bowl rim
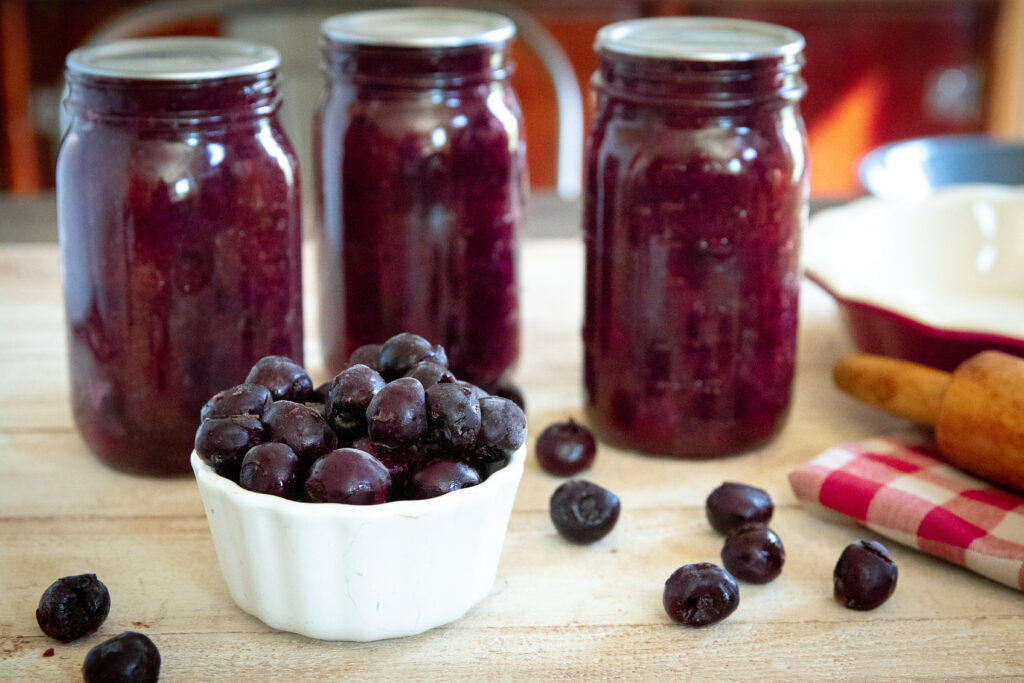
(508,475)
(828,219)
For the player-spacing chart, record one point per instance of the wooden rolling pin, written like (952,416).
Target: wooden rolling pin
(977,410)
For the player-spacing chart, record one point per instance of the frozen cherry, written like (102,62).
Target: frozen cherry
(318,407)
(453,416)
(502,425)
(732,504)
(753,553)
(319,394)
(301,428)
(244,399)
(397,415)
(487,463)
(399,460)
(865,575)
(72,607)
(477,391)
(583,512)
(348,475)
(365,443)
(126,658)
(430,373)
(513,393)
(368,355)
(271,468)
(700,594)
(438,477)
(285,378)
(565,448)
(224,441)
(400,353)
(349,396)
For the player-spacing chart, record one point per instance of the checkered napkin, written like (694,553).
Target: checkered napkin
(905,492)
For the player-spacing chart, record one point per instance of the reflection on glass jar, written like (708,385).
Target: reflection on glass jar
(420,169)
(696,194)
(179,218)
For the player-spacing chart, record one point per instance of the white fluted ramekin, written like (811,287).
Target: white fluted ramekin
(359,572)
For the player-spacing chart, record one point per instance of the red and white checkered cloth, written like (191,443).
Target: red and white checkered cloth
(905,492)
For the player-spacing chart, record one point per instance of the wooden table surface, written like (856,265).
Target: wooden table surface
(557,611)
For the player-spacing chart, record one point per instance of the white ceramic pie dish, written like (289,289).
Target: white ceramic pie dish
(933,280)
(355,572)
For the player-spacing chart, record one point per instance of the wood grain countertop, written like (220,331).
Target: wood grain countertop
(556,611)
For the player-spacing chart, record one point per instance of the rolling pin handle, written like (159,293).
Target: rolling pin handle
(898,387)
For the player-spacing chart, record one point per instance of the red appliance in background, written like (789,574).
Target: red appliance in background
(878,71)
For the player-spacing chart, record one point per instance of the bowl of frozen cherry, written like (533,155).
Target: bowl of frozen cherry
(373,506)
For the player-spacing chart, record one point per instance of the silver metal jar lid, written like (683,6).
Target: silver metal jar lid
(421,27)
(174,59)
(706,39)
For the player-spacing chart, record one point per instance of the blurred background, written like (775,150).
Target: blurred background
(877,71)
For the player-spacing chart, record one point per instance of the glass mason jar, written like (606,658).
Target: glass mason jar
(696,194)
(420,166)
(180,236)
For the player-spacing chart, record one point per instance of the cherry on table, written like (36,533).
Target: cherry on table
(733,504)
(72,607)
(565,448)
(129,657)
(753,553)
(700,594)
(583,512)
(865,575)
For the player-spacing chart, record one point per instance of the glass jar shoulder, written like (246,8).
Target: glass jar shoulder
(688,144)
(256,155)
(398,111)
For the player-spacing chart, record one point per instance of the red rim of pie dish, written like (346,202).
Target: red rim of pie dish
(884,332)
